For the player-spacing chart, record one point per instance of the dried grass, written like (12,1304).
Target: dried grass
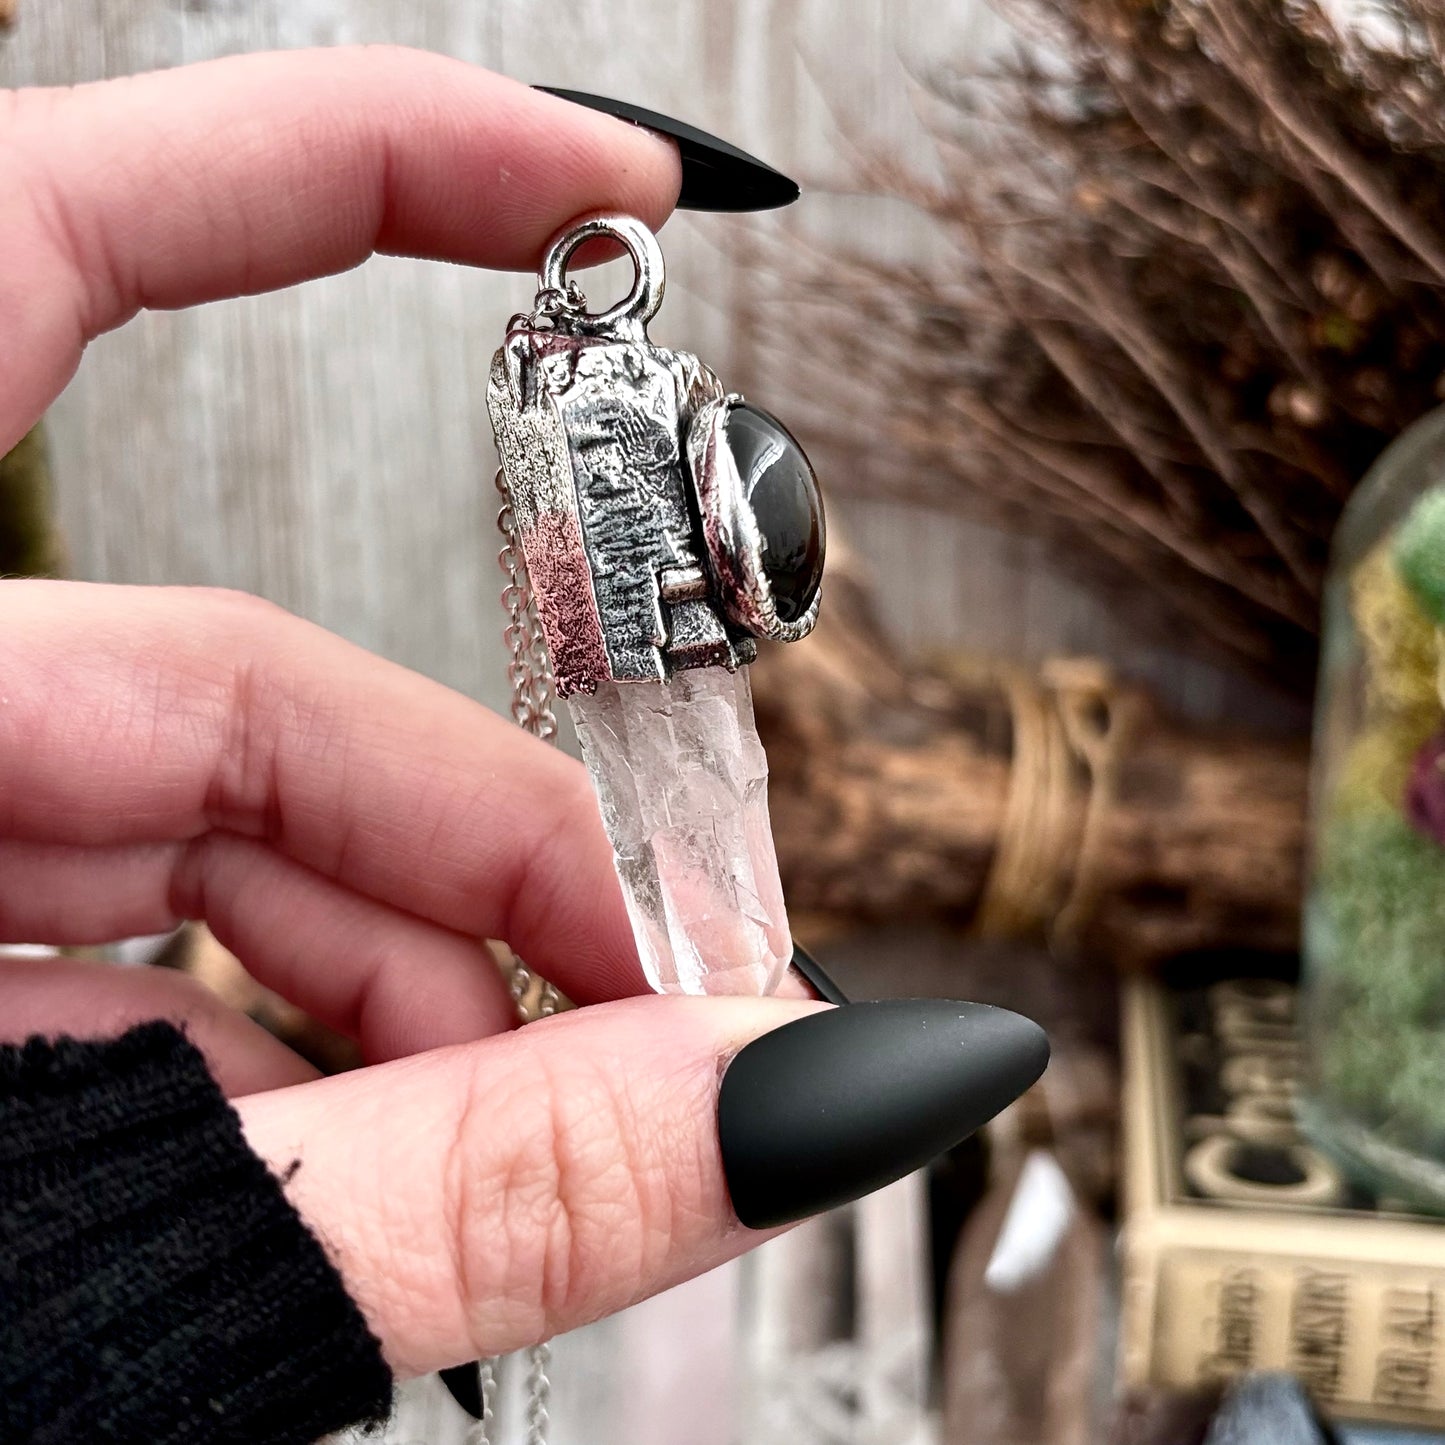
(1198,284)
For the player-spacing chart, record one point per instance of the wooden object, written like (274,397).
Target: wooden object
(900,789)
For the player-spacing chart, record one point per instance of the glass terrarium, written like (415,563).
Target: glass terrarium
(1374,935)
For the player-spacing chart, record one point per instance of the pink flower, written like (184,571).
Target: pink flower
(1425,790)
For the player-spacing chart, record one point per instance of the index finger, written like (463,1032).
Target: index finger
(133,715)
(259,171)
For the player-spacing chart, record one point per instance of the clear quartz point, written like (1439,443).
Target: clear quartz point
(683,783)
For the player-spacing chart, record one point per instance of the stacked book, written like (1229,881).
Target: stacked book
(1243,1247)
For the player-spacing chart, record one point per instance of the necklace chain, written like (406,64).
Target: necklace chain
(530,669)
(533,707)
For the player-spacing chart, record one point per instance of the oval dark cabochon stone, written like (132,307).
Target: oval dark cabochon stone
(781,487)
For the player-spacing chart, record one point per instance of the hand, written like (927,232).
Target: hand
(349,829)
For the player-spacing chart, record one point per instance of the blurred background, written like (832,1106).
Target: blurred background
(1092,317)
(328,446)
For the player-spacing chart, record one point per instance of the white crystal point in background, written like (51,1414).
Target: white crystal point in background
(683,782)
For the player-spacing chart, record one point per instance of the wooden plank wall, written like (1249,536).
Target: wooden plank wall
(327,447)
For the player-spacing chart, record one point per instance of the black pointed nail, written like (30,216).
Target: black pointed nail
(465,1387)
(835,1105)
(817,975)
(716,176)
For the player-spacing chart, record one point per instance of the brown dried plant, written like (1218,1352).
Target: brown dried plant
(1197,283)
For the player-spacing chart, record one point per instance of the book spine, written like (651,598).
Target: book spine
(1366,1337)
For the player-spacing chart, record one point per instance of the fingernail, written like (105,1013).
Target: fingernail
(839,1103)
(716,176)
(466,1388)
(817,976)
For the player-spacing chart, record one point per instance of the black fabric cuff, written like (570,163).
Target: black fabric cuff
(155,1284)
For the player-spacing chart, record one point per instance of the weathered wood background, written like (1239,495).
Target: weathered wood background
(327,447)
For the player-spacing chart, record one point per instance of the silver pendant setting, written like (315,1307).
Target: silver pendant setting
(664,525)
(738,552)
(639,531)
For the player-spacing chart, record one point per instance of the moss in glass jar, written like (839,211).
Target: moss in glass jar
(1375,773)
(1398,638)
(1386,886)
(1374,945)
(1384,1056)
(1398,1090)
(1420,554)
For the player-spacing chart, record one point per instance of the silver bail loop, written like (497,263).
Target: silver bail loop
(629,317)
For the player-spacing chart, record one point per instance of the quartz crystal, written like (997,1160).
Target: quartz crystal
(683,783)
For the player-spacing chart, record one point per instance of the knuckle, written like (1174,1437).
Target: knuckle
(29,120)
(264,713)
(244,615)
(556,1217)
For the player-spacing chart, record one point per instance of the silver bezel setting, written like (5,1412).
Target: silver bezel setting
(730,531)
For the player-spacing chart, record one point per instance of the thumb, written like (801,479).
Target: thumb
(480,1198)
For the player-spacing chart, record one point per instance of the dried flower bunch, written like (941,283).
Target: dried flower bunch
(1198,284)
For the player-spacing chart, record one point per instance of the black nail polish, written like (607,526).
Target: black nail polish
(465,1387)
(716,176)
(835,1105)
(817,975)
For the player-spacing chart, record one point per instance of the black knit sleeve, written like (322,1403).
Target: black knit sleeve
(155,1284)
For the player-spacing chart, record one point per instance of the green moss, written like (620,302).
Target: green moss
(1420,553)
(29,544)
(1373,774)
(1399,641)
(1354,1072)
(1380,983)
(1391,1080)
(1384,888)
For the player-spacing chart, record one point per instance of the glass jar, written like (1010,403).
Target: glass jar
(1374,928)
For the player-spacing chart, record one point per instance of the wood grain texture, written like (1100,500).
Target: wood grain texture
(1060,806)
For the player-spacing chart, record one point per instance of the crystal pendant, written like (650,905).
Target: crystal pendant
(664,526)
(683,783)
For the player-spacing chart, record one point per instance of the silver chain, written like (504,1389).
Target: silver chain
(530,669)
(534,691)
(533,708)
(539,1392)
(552,307)
(481,1432)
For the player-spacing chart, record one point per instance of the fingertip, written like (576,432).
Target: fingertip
(524,1185)
(647,165)
(588,162)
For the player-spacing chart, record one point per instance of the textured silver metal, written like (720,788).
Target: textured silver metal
(590,433)
(734,544)
(593,425)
